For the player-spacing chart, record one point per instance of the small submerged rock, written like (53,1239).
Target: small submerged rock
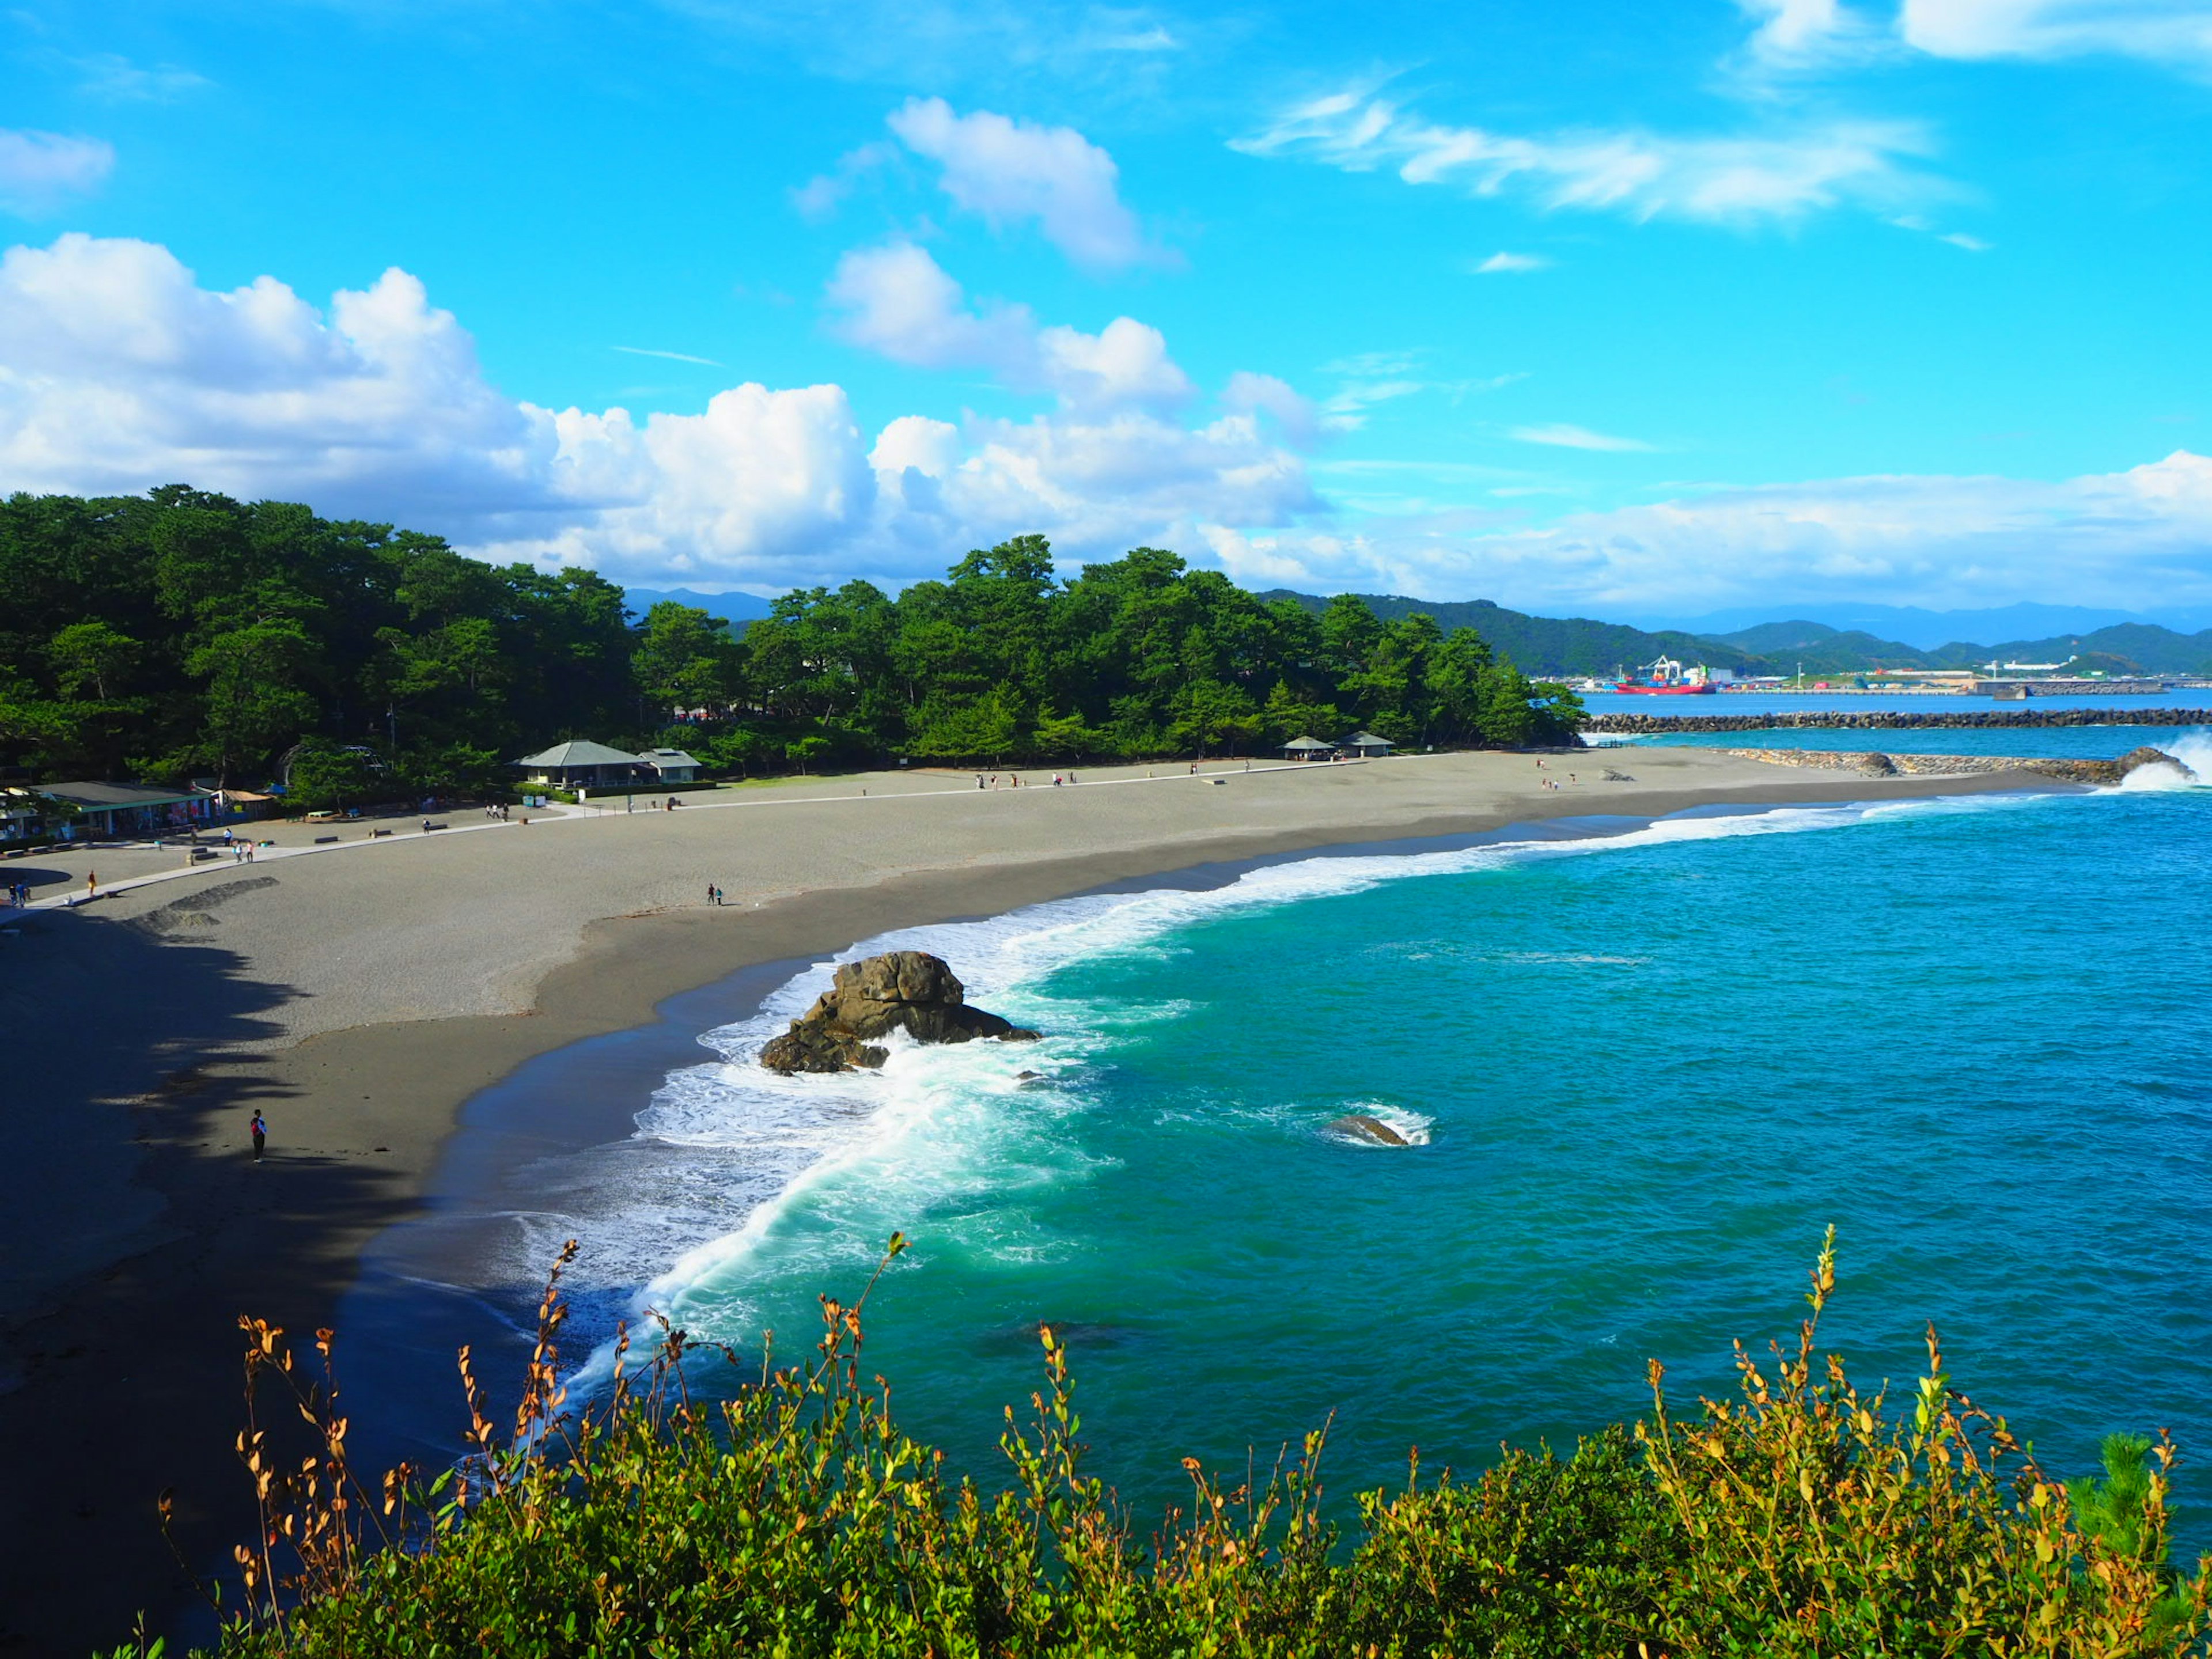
(1358,1125)
(908,991)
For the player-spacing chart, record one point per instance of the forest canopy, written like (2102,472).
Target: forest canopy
(183,633)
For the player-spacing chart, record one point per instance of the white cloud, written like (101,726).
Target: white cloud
(2177,33)
(2139,540)
(1504,263)
(1560,434)
(1010,171)
(1972,244)
(899,300)
(1794,36)
(1250,393)
(119,372)
(1744,179)
(671,356)
(37,169)
(112,76)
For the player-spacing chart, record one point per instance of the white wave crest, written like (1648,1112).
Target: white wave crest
(1409,1127)
(817,1163)
(2193,750)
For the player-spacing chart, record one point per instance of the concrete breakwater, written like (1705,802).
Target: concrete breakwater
(1890,766)
(1964,720)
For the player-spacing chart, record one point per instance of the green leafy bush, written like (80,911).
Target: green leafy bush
(1803,1518)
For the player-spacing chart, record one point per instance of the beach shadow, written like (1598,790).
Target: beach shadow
(137,1229)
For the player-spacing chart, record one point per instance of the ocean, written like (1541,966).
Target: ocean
(1642,1067)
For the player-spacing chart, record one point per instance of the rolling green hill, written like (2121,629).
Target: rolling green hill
(1551,645)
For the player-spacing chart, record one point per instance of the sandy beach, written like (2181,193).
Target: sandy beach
(358,991)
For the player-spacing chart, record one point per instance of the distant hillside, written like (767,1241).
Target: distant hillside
(2155,650)
(1550,645)
(1930,630)
(2125,648)
(739,608)
(1820,649)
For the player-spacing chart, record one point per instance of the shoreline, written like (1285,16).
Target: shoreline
(131,1388)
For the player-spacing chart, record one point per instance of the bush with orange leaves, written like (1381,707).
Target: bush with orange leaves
(1804,1518)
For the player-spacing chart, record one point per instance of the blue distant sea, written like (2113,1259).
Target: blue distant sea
(1641,1072)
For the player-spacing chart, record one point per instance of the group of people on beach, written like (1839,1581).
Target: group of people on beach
(19,894)
(1014,780)
(1554,783)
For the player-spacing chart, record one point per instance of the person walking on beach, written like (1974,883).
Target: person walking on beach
(260,1134)
(92,884)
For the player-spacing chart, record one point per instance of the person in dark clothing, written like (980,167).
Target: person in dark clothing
(260,1136)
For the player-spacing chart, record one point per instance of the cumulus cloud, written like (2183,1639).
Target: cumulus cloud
(1010,172)
(2172,32)
(1741,179)
(899,300)
(38,169)
(2139,540)
(119,372)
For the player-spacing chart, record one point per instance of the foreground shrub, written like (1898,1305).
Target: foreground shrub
(794,1519)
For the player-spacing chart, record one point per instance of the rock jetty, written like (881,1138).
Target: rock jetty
(908,991)
(1916,719)
(1891,766)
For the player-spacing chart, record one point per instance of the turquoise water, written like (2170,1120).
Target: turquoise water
(1644,1071)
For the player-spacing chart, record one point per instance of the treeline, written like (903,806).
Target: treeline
(183,634)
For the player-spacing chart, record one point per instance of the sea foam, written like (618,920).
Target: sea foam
(815,1164)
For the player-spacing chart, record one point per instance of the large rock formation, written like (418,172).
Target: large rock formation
(908,991)
(2146,756)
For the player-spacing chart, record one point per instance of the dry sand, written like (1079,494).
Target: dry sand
(359,991)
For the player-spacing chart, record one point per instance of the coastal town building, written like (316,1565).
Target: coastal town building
(581,762)
(106,810)
(671,765)
(1367,745)
(1307,749)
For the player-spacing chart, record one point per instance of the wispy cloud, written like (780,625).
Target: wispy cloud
(114,77)
(1749,178)
(38,169)
(2174,32)
(671,356)
(1504,263)
(1562,434)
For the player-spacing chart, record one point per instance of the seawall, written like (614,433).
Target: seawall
(1893,720)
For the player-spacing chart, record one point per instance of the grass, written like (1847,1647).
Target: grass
(1801,1517)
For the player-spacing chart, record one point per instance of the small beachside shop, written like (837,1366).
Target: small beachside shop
(580,763)
(1307,749)
(107,810)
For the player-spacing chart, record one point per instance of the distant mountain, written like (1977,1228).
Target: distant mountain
(1550,645)
(2125,648)
(1820,649)
(2142,645)
(1930,630)
(738,608)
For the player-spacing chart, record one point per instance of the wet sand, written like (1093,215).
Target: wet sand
(360,991)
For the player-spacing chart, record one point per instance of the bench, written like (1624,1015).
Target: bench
(375,834)
(325,841)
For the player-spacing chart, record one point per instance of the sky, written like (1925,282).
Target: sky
(1582,307)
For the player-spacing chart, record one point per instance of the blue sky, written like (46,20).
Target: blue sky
(1613,309)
